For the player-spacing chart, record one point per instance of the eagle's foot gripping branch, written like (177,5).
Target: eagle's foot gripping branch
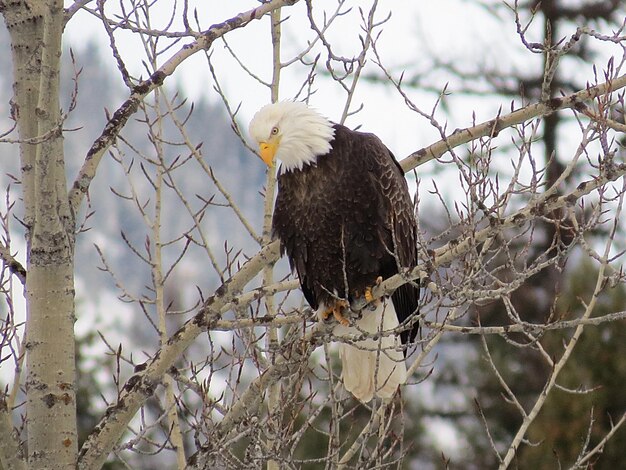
(368,290)
(336,311)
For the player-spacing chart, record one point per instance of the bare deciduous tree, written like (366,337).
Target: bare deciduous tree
(240,376)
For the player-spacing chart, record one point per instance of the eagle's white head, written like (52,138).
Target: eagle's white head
(291,132)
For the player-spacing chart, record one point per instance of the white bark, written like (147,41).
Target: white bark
(36,29)
(273,399)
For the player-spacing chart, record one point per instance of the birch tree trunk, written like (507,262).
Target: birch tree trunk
(36,28)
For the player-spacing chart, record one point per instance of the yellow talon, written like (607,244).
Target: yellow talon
(339,306)
(368,290)
(336,312)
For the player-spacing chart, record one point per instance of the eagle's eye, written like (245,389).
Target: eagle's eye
(274,130)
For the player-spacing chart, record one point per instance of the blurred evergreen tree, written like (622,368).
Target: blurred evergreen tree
(555,293)
(597,371)
(88,390)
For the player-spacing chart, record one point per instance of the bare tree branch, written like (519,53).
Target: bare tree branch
(127,109)
(14,266)
(496,125)
(142,384)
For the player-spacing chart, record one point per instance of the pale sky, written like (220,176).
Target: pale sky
(450,29)
(459,32)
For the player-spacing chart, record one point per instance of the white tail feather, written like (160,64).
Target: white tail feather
(373,367)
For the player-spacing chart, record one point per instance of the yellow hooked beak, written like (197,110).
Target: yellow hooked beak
(267,149)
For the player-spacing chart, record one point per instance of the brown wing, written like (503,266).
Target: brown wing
(400,223)
(343,221)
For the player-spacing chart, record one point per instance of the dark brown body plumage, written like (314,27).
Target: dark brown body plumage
(348,220)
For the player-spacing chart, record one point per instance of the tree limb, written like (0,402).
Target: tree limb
(141,385)
(452,250)
(571,344)
(15,267)
(494,126)
(119,118)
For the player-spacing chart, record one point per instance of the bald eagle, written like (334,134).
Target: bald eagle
(344,216)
